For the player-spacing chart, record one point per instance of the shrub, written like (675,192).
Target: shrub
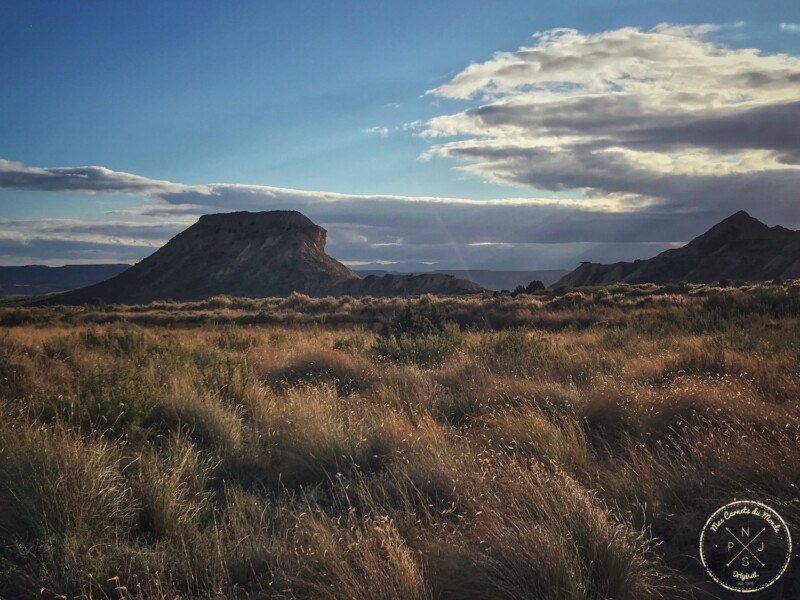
(357,342)
(313,440)
(555,442)
(234,339)
(532,288)
(105,401)
(221,301)
(172,489)
(426,350)
(419,335)
(418,320)
(360,559)
(60,348)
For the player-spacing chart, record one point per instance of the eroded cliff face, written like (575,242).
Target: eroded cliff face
(251,254)
(737,248)
(247,254)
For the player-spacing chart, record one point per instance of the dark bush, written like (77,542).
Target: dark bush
(419,335)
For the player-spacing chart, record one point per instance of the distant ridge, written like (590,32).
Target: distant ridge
(737,248)
(251,254)
(488,278)
(39,279)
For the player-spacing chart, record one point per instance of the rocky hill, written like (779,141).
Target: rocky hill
(247,254)
(737,248)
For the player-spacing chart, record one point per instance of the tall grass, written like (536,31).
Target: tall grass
(405,449)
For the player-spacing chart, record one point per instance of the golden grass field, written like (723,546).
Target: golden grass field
(568,445)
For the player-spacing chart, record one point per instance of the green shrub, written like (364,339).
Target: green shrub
(419,335)
(107,401)
(427,350)
(357,342)
(418,319)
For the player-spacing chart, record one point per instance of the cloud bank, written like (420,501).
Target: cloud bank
(445,232)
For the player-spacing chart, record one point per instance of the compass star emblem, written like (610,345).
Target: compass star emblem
(745,546)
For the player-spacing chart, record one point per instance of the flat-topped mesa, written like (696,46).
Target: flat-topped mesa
(275,226)
(245,254)
(254,254)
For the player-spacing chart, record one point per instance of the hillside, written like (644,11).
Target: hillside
(737,248)
(246,254)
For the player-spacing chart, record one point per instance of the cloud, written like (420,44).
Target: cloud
(14,175)
(414,125)
(377,130)
(448,232)
(60,241)
(790,27)
(666,115)
(661,134)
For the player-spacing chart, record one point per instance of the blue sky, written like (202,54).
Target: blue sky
(361,99)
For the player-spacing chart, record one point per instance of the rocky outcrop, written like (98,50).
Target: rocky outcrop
(247,254)
(241,254)
(737,248)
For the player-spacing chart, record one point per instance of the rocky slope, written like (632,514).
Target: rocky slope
(737,248)
(245,254)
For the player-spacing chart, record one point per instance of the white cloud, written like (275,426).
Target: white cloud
(414,126)
(665,114)
(791,27)
(377,130)
(663,132)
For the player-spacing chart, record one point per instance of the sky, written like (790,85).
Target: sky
(421,135)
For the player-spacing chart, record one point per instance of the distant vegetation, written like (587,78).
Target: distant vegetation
(562,444)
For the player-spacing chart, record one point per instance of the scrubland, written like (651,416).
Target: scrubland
(567,445)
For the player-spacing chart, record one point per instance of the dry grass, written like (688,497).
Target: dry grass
(574,453)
